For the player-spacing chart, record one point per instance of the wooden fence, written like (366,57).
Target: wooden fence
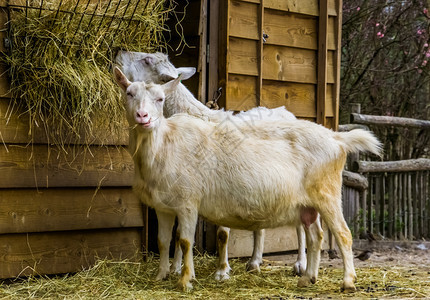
(389,199)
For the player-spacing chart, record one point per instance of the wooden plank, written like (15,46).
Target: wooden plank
(240,243)
(241,93)
(242,56)
(202,66)
(336,24)
(261,41)
(59,252)
(15,128)
(291,30)
(419,164)
(243,20)
(223,58)
(213,48)
(355,180)
(28,210)
(296,97)
(294,65)
(389,121)
(289,64)
(382,206)
(322,62)
(38,166)
(415,205)
(307,7)
(391,206)
(370,206)
(405,205)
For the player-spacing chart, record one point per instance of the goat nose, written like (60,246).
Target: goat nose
(142,114)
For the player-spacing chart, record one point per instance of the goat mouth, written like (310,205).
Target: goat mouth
(145,124)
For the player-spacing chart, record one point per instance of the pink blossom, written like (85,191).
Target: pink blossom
(424,63)
(419,32)
(428,54)
(420,71)
(358,8)
(426,45)
(380,34)
(377,24)
(425,11)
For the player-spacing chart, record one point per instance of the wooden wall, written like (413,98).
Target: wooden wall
(297,65)
(60,212)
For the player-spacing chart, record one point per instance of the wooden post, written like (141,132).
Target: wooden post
(213,48)
(322,62)
(337,62)
(223,48)
(202,66)
(391,206)
(260,51)
(144,233)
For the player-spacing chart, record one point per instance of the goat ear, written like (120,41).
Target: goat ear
(121,79)
(169,86)
(186,72)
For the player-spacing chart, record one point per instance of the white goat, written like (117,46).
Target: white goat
(267,175)
(156,67)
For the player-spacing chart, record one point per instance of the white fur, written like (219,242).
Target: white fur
(236,175)
(156,67)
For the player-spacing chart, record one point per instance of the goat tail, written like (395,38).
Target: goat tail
(360,140)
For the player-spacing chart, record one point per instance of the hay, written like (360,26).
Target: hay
(129,280)
(60,58)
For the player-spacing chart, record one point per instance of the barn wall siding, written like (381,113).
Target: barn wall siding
(62,210)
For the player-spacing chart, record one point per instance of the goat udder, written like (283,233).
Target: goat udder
(308,215)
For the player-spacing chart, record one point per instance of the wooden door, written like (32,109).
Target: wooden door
(280,52)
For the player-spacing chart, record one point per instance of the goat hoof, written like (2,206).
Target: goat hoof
(253,267)
(298,269)
(303,281)
(175,269)
(348,287)
(222,275)
(184,286)
(161,275)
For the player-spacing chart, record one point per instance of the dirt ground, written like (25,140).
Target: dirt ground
(384,253)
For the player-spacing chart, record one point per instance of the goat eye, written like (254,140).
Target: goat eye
(160,100)
(130,94)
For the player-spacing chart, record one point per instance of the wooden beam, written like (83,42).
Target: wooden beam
(202,66)
(389,121)
(31,210)
(409,165)
(260,51)
(223,50)
(355,180)
(337,62)
(322,62)
(349,127)
(39,166)
(213,48)
(60,252)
